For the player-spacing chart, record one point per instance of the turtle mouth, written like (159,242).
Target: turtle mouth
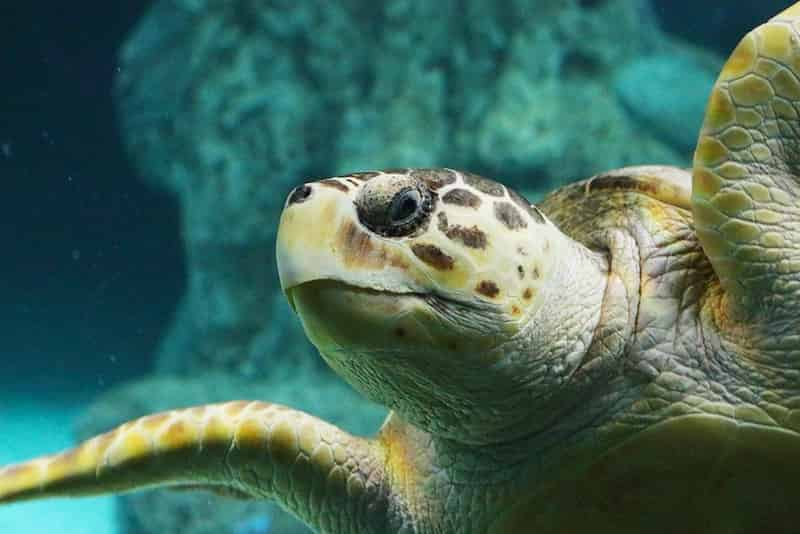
(344,287)
(439,303)
(341,318)
(385,310)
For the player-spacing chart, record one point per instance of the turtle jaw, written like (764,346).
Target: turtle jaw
(342,320)
(401,350)
(338,316)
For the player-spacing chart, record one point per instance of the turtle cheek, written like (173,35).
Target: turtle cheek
(510,279)
(336,317)
(344,319)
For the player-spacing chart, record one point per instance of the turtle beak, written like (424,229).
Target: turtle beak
(319,238)
(306,237)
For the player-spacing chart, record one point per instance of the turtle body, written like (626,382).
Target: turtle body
(622,358)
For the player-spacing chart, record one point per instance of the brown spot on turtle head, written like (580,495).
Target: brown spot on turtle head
(356,243)
(462,197)
(434,178)
(484,185)
(507,214)
(469,237)
(515,310)
(433,256)
(488,288)
(528,294)
(335,184)
(535,274)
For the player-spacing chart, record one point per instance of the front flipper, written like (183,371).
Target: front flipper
(746,186)
(333,481)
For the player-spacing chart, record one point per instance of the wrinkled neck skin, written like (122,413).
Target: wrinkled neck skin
(511,387)
(606,377)
(636,337)
(629,335)
(509,439)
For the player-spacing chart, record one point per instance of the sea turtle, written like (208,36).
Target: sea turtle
(623,357)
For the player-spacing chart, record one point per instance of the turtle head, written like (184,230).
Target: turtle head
(420,286)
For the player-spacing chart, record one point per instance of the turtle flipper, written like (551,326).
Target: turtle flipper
(746,184)
(315,470)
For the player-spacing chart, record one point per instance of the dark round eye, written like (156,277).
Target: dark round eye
(395,206)
(404,206)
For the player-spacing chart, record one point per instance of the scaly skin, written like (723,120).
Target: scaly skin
(622,359)
(325,476)
(746,190)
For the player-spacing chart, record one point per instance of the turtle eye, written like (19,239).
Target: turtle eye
(404,206)
(395,206)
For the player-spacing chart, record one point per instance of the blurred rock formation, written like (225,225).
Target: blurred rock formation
(667,93)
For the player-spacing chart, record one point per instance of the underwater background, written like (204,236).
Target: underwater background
(146,149)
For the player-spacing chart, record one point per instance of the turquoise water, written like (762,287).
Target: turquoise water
(38,422)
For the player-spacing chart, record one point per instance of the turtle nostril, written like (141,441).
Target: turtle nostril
(300,194)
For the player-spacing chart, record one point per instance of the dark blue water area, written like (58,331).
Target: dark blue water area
(715,24)
(92,263)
